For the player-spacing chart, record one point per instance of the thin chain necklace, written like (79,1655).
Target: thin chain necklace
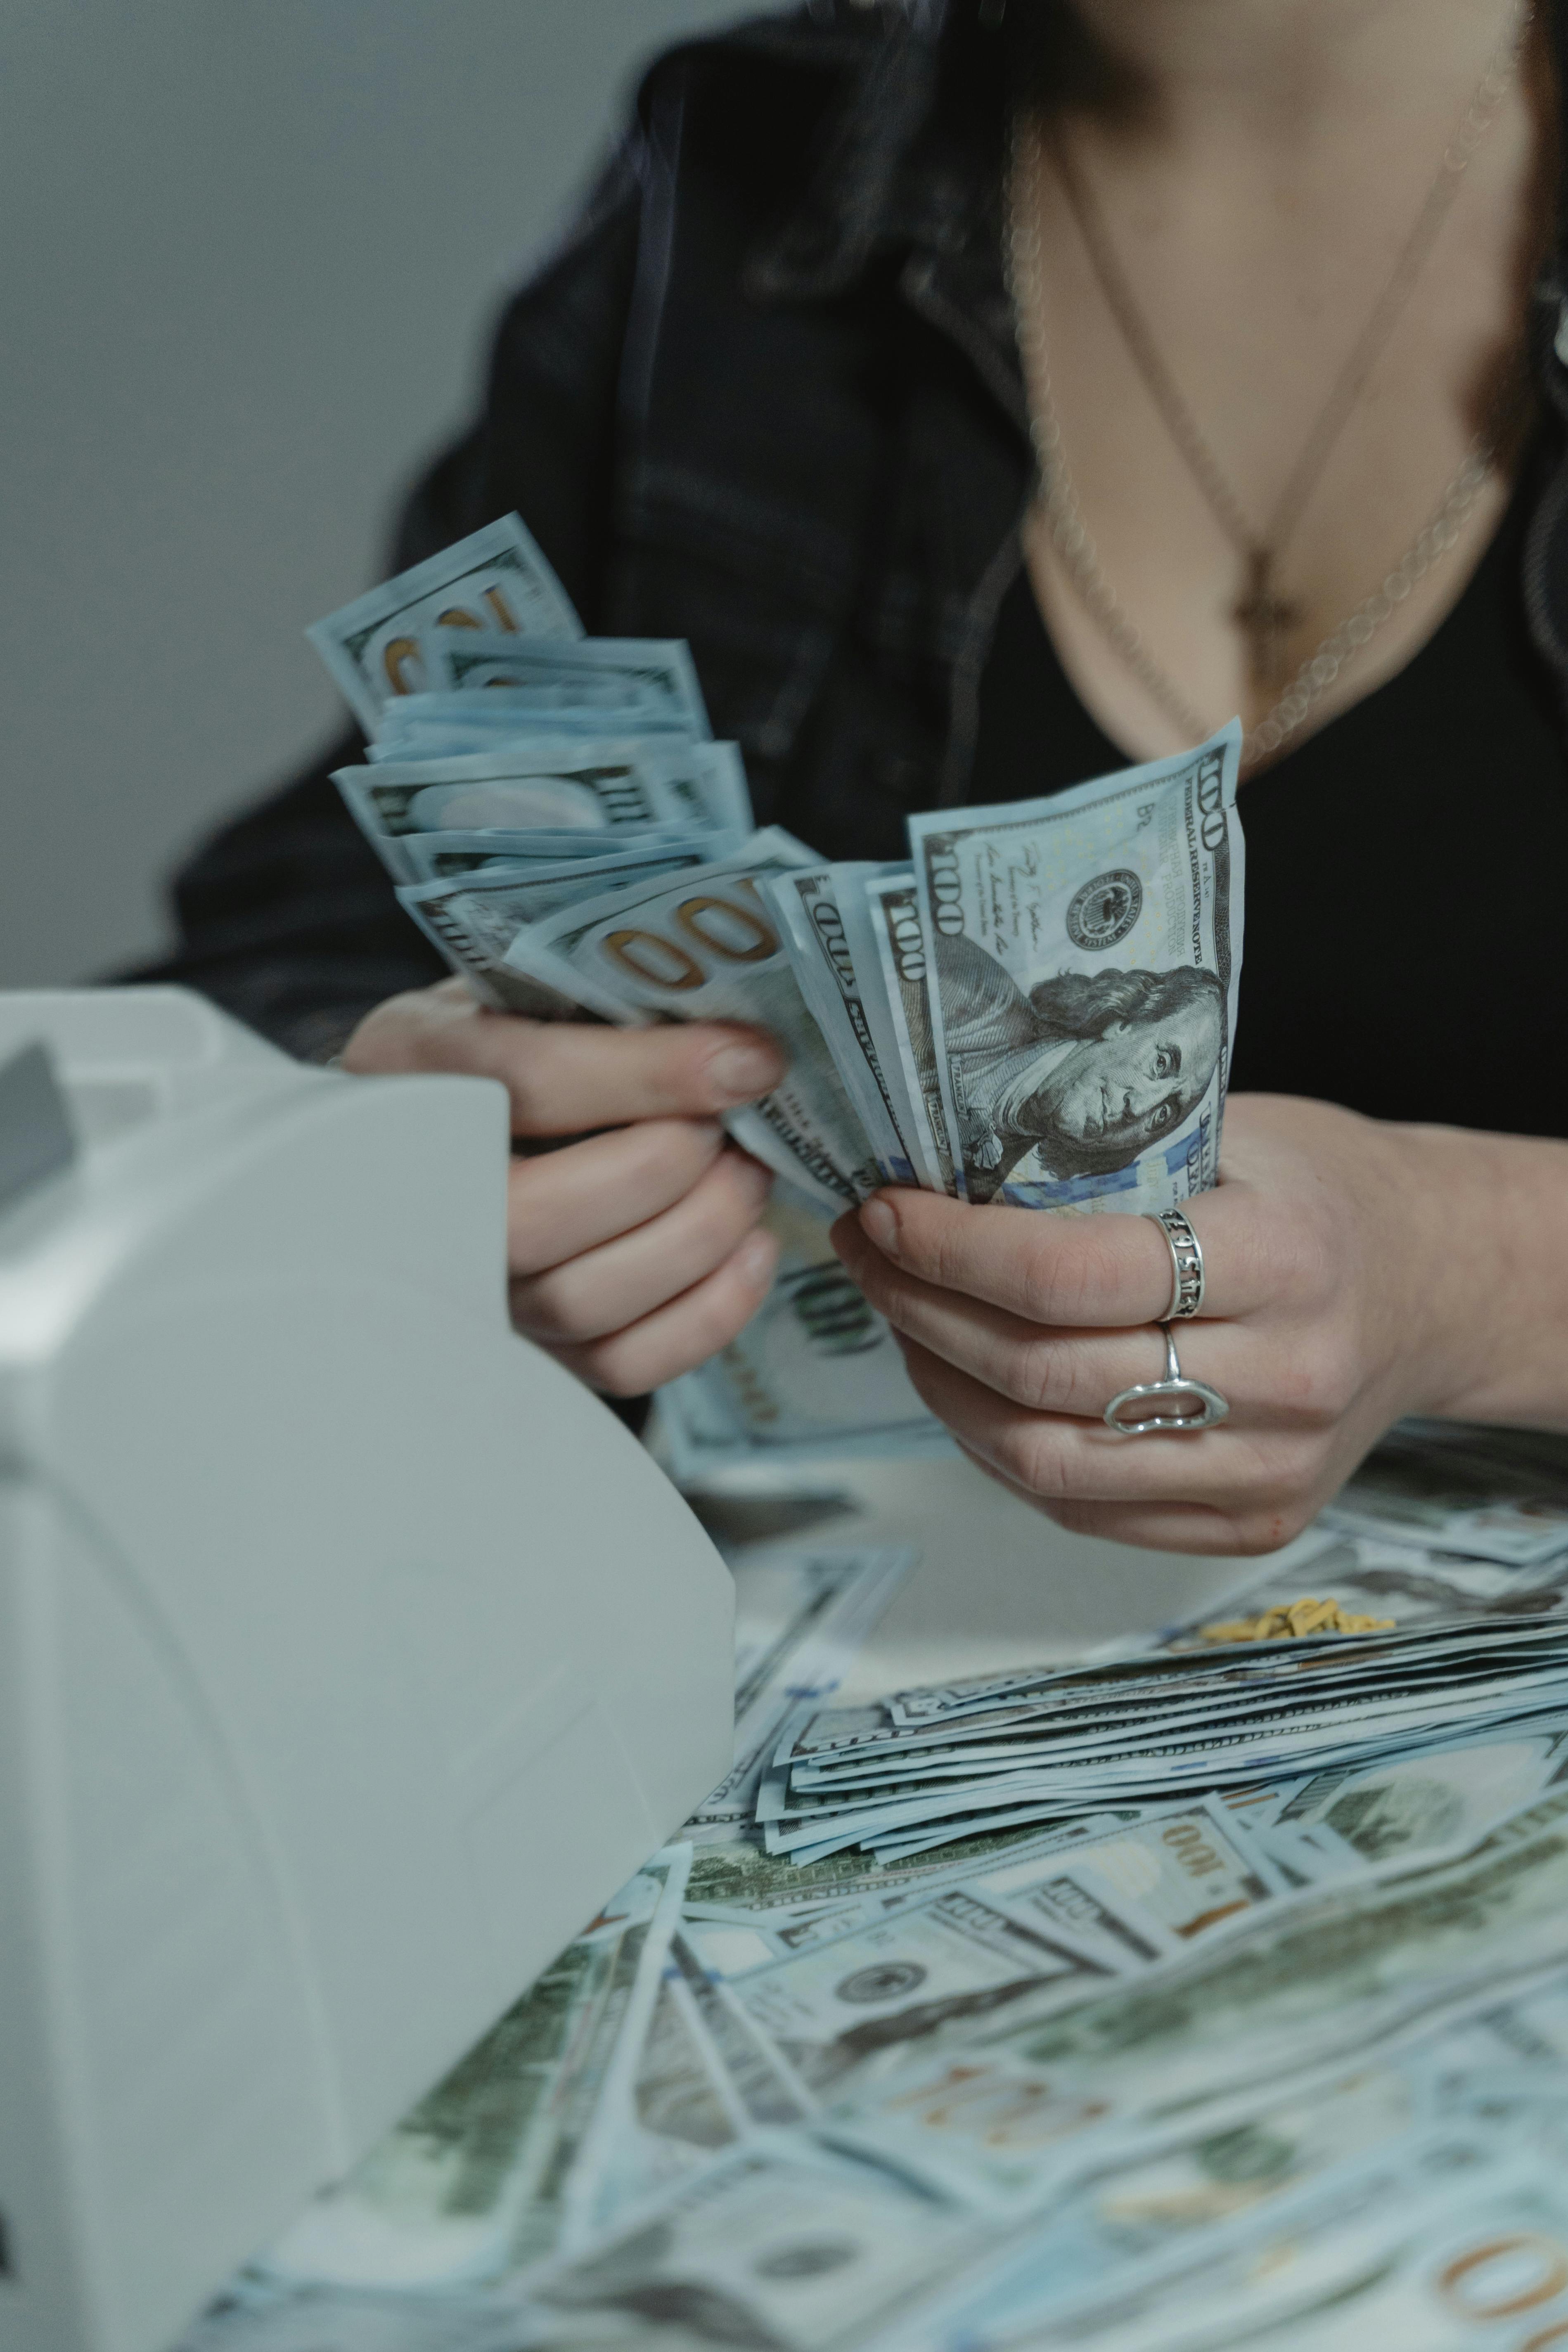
(1263,614)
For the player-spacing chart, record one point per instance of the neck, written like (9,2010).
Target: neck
(1273,69)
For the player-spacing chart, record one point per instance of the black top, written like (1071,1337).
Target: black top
(1405,866)
(764,395)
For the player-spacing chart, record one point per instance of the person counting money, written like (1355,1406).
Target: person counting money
(996,395)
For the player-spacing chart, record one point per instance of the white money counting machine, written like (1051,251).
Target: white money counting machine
(351,1653)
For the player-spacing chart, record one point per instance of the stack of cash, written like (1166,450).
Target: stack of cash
(1209,1994)
(1276,2063)
(1036,1008)
(514,765)
(926,1766)
(814,1379)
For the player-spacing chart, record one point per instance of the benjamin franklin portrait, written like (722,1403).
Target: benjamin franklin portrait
(1088,1069)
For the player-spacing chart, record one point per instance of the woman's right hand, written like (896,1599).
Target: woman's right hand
(634,1251)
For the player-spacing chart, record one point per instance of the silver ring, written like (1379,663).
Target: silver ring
(1211,1406)
(1186,1265)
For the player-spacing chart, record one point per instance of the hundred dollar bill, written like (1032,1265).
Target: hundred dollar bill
(1312,1986)
(806,1809)
(1475,2255)
(911,1845)
(891,907)
(1319,1979)
(1133,1890)
(1218,1747)
(1531,2030)
(560,794)
(1137,1701)
(998,2146)
(452,856)
(490,2171)
(699,785)
(761,2091)
(1085,962)
(1490,1494)
(683,2109)
(742,1882)
(496,579)
(812,925)
(816,1374)
(466,726)
(800,1614)
(1289,2220)
(654,670)
(705,2081)
(1421,2261)
(778,2249)
(853,884)
(274,2318)
(1126,1705)
(1418,1588)
(730,1944)
(879,1992)
(1273,2217)
(1104,2254)
(1419,1808)
(474,919)
(1362,2227)
(705,949)
(680,2111)
(1146,1893)
(800,1617)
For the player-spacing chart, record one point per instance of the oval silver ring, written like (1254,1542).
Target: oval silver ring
(1211,1407)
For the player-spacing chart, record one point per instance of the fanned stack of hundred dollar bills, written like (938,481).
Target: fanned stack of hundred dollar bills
(1036,1008)
(1272,2052)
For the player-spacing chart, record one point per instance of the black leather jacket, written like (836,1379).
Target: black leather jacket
(765,396)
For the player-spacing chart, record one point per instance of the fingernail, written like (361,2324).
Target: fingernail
(878,1225)
(755,1257)
(740,1073)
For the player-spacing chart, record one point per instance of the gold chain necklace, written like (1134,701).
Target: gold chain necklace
(1264,615)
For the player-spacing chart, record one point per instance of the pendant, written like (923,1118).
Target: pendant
(1267,621)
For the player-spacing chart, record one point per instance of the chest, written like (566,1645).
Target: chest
(1266,393)
(826,507)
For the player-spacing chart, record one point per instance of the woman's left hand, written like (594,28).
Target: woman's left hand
(1355,1271)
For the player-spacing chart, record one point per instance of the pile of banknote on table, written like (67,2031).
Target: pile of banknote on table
(1209,1994)
(1035,1007)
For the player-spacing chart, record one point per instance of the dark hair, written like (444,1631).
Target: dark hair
(1081,1004)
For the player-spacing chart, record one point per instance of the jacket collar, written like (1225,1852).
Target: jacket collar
(907,174)
(888,172)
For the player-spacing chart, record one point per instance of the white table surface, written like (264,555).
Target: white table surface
(997,1584)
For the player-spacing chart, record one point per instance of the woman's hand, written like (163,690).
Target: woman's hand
(633,1253)
(1355,1271)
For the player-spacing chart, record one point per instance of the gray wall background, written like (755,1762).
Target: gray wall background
(248,257)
